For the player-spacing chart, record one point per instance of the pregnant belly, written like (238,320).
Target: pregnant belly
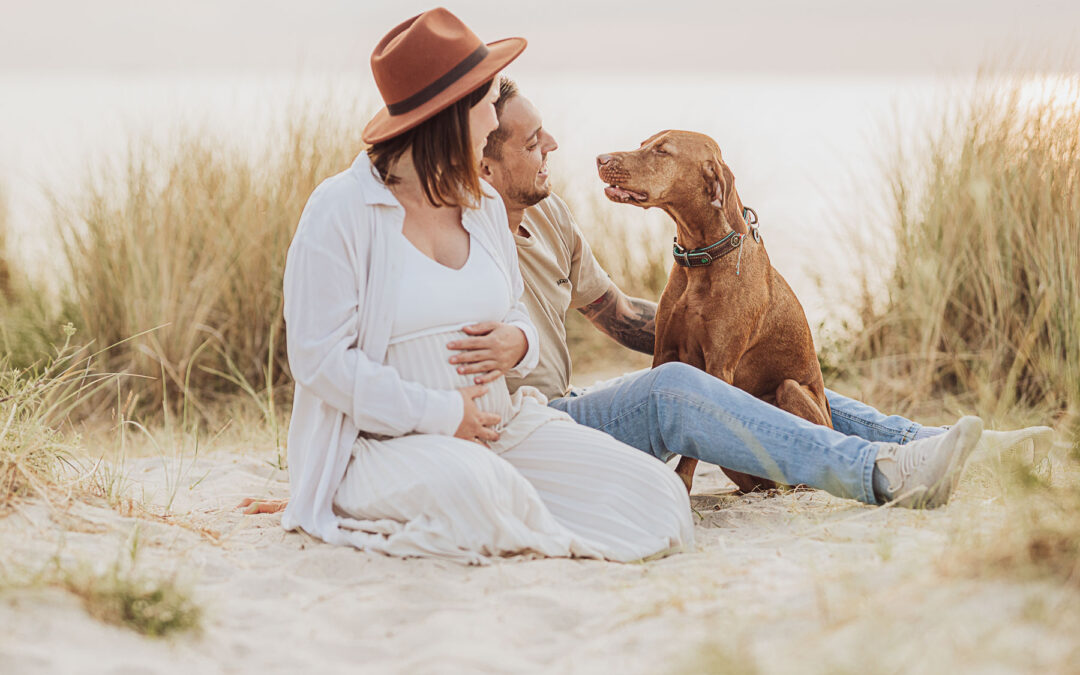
(425,360)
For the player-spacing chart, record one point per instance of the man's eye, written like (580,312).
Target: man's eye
(531,147)
(659,150)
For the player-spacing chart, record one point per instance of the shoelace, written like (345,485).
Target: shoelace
(908,462)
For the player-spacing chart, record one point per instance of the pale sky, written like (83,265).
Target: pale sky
(774,36)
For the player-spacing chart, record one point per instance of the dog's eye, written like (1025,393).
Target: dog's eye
(660,150)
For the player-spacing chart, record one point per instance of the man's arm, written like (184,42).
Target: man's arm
(629,321)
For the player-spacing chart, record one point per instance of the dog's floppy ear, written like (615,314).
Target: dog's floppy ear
(729,182)
(716,182)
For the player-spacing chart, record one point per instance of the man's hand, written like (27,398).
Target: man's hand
(492,351)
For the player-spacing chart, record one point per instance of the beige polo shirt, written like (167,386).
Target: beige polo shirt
(560,273)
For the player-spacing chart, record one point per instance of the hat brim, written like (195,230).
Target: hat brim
(500,53)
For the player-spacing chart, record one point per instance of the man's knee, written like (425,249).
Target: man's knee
(679,378)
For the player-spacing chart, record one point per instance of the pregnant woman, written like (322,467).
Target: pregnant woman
(390,448)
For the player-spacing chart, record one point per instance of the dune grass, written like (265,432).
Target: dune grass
(980,313)
(982,301)
(35,405)
(28,324)
(190,240)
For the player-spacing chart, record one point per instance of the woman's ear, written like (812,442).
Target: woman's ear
(715,182)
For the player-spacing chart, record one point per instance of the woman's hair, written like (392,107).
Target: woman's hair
(442,151)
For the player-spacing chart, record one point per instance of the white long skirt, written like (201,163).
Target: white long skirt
(549,487)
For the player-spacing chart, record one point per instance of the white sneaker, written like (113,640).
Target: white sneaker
(923,474)
(995,442)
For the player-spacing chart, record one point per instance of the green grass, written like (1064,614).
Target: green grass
(120,594)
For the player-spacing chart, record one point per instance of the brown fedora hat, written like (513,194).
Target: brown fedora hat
(426,64)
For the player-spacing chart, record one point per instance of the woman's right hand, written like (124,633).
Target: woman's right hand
(476,425)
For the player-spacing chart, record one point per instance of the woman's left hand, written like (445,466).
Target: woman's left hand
(491,351)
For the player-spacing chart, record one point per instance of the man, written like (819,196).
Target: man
(676,409)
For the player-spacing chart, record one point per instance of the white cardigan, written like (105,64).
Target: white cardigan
(341,282)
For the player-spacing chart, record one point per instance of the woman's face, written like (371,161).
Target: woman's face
(483,120)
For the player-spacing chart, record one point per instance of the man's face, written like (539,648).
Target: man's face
(520,174)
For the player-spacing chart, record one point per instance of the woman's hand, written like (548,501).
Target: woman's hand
(492,351)
(476,425)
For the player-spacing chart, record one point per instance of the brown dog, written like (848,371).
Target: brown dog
(724,309)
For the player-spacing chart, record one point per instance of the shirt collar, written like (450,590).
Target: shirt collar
(375,191)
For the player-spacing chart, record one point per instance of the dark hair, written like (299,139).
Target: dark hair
(442,152)
(507,90)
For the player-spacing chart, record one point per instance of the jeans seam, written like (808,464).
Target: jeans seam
(863,421)
(865,471)
(746,422)
(625,413)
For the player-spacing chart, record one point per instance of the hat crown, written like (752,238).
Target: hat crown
(419,51)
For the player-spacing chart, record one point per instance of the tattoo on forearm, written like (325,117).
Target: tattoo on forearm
(630,321)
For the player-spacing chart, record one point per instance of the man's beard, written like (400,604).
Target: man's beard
(529,196)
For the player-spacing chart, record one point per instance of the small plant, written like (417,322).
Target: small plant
(121,596)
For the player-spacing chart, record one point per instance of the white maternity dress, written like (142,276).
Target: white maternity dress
(548,486)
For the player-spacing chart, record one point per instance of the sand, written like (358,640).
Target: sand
(801,582)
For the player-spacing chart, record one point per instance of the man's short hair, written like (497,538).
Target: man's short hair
(507,90)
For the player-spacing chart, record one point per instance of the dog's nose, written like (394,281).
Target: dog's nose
(601,160)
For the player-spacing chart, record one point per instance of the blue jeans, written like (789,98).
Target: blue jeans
(676,409)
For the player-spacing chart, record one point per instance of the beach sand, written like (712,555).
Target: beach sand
(800,582)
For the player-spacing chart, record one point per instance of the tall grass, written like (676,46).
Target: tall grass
(190,240)
(29,323)
(983,297)
(981,310)
(35,404)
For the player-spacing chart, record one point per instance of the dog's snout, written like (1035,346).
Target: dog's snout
(601,160)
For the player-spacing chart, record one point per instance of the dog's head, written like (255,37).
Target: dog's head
(672,168)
